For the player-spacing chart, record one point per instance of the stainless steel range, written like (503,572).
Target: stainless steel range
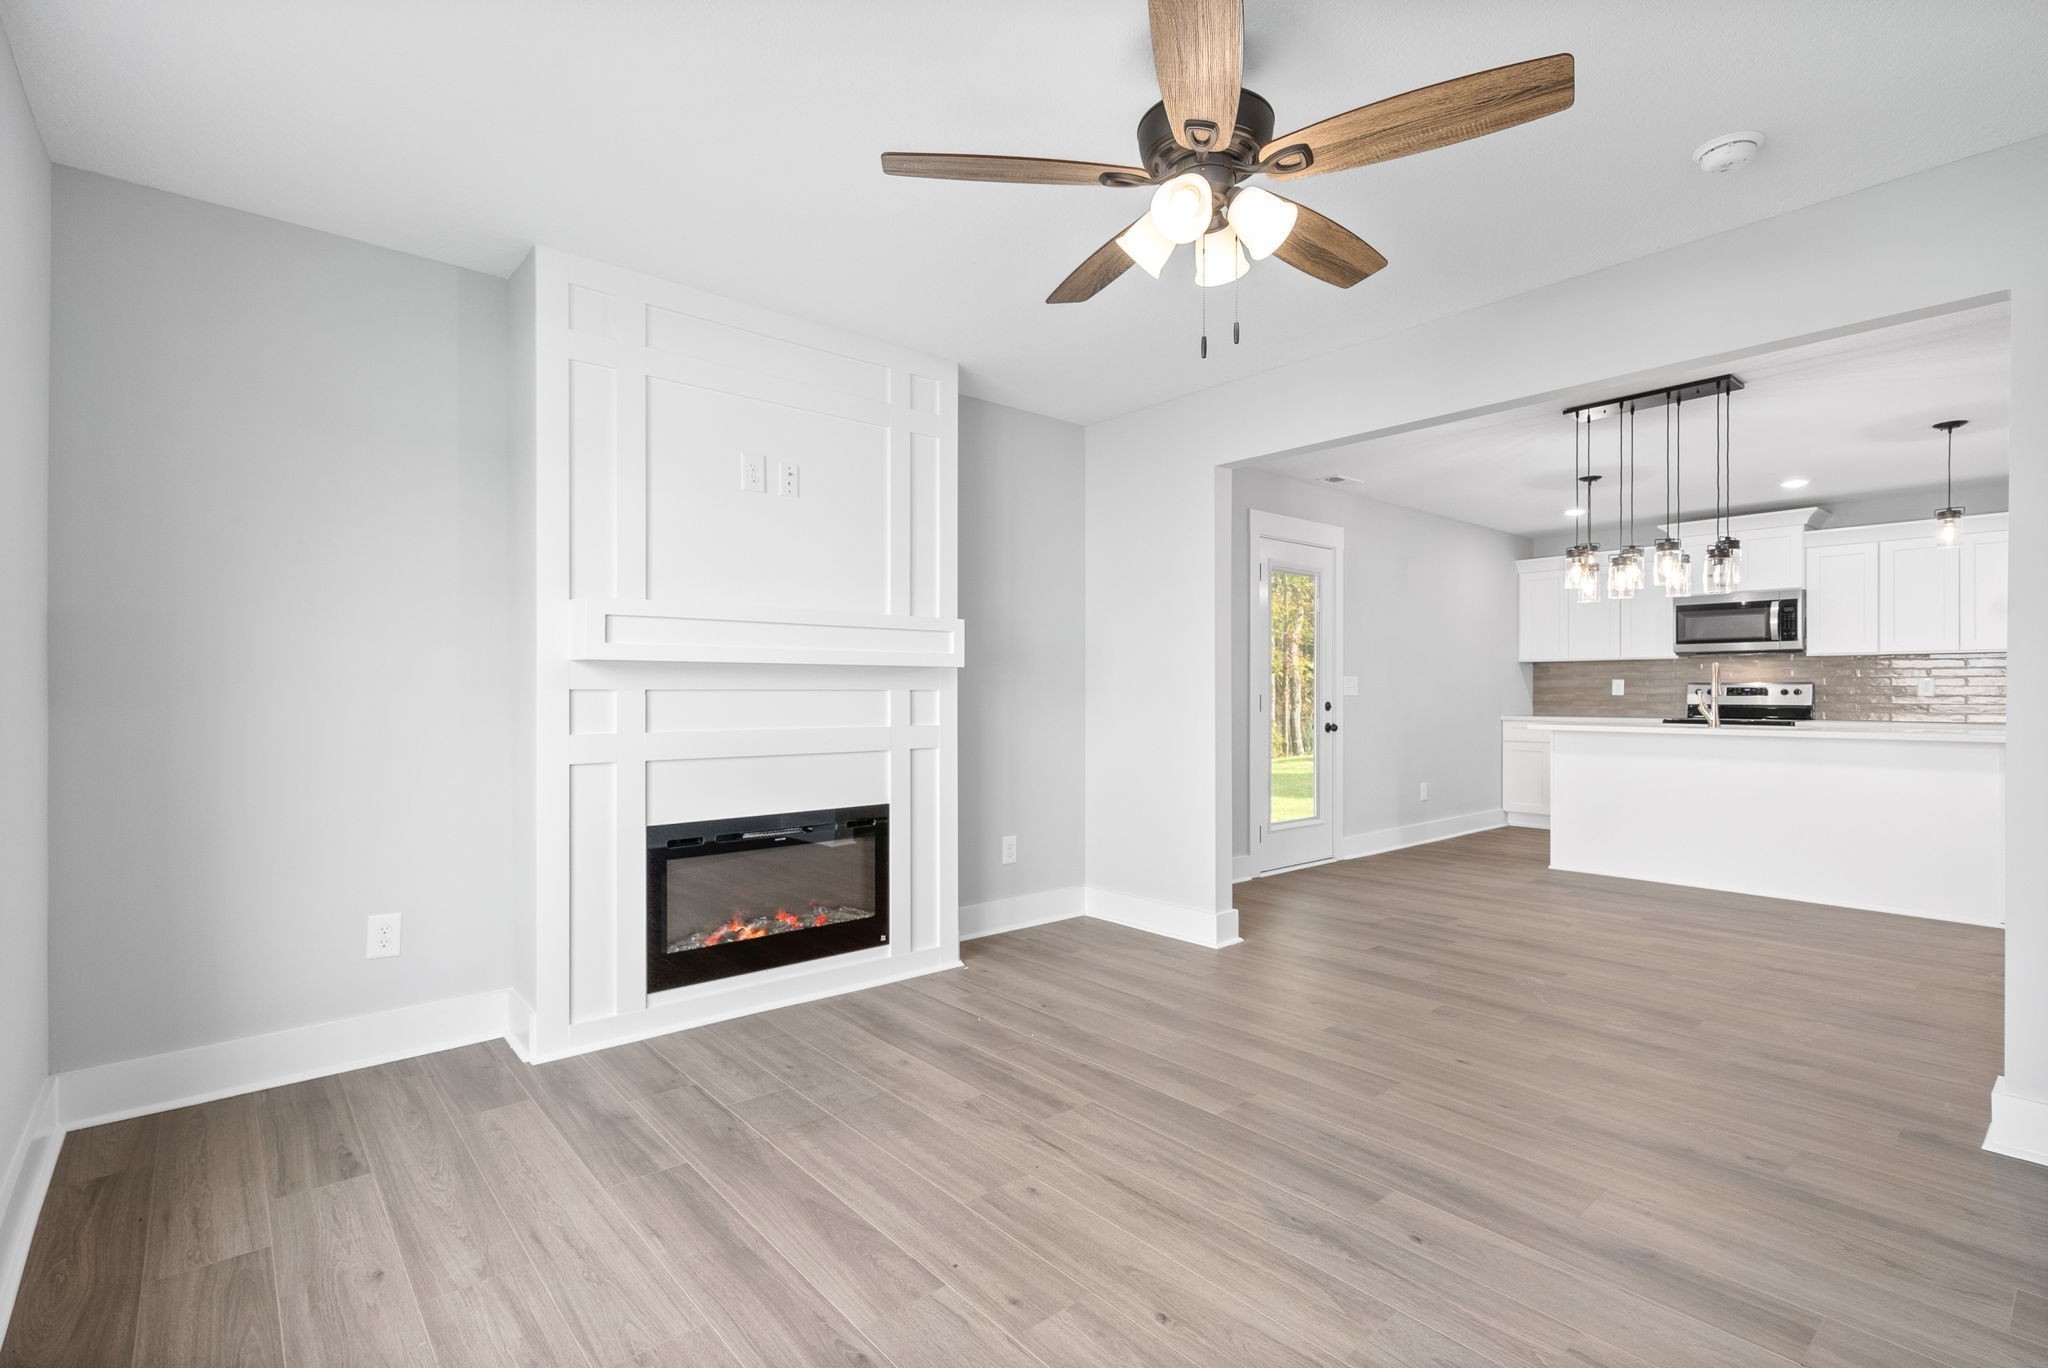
(1778,704)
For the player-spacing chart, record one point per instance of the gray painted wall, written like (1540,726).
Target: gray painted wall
(24,527)
(1020,694)
(280,532)
(1430,634)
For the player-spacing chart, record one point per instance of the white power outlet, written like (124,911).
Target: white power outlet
(1927,688)
(790,478)
(1424,795)
(753,474)
(383,936)
(1009,850)
(1620,687)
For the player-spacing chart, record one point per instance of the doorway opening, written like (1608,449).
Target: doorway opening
(1296,667)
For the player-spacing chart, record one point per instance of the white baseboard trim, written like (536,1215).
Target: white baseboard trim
(180,1078)
(2019,1125)
(23,1185)
(1014,914)
(1540,820)
(1418,833)
(1196,925)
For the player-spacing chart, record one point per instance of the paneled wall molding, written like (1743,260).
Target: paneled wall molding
(744,601)
(607,629)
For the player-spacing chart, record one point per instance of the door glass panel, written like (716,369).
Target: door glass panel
(1292,596)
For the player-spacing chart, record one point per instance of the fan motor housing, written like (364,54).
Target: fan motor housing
(1223,167)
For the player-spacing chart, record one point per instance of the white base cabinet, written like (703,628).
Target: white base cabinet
(1525,774)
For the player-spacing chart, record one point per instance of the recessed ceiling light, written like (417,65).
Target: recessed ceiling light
(1575,512)
(1794,484)
(1729,152)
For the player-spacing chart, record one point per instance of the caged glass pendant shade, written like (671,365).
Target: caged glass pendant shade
(1720,572)
(1678,583)
(1948,527)
(1664,564)
(1588,586)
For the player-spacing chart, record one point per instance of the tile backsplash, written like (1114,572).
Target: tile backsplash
(1880,688)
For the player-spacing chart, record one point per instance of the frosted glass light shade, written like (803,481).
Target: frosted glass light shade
(1948,526)
(1220,258)
(1182,206)
(1144,244)
(1262,221)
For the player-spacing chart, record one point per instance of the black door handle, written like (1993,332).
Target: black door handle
(1329,726)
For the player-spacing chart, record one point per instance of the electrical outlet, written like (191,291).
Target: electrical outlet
(1620,687)
(1927,688)
(1351,686)
(1009,850)
(789,477)
(1424,795)
(753,474)
(383,936)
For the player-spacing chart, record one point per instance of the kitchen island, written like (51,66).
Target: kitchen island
(1892,817)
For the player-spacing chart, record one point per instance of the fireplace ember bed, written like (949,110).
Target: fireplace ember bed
(742,894)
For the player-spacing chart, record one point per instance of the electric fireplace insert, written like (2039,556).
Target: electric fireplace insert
(743,894)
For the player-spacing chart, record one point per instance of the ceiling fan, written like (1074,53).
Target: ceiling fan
(1209,135)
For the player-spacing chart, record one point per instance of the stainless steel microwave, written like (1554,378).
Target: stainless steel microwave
(1769,620)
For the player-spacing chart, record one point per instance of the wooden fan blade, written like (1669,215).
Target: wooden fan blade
(1019,170)
(1434,116)
(1327,250)
(1108,262)
(1198,48)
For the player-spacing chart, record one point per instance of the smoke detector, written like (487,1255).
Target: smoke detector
(1729,152)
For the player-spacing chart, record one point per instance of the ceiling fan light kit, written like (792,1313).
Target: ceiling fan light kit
(1208,135)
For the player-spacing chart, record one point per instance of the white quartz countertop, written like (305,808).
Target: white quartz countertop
(1959,732)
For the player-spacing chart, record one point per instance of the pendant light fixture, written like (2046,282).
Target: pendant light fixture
(1948,522)
(1673,568)
(1582,557)
(1625,566)
(1589,553)
(1669,568)
(1724,558)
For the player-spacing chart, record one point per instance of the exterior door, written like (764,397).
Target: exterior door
(1295,687)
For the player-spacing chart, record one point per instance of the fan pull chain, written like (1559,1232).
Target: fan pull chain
(1201,251)
(1235,337)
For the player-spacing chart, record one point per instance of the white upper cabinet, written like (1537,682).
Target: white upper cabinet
(1919,596)
(1773,558)
(1841,599)
(1541,610)
(1983,589)
(1592,631)
(1649,626)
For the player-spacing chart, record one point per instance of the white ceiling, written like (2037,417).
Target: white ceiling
(1853,415)
(732,144)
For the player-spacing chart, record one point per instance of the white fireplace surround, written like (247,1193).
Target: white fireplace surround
(743,599)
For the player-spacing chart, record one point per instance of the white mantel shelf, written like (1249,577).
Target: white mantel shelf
(618,629)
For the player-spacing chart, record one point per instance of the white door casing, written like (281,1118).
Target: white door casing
(1295,547)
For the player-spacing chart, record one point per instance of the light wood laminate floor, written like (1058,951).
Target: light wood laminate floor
(1442,1107)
